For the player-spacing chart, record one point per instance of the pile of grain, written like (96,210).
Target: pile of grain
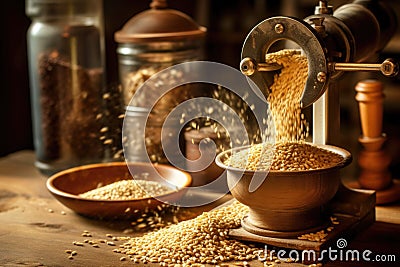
(203,239)
(127,189)
(295,156)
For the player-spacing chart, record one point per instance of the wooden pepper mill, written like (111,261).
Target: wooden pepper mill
(373,160)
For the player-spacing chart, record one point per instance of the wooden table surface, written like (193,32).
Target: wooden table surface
(31,235)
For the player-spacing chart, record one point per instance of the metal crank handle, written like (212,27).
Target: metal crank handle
(248,66)
(389,67)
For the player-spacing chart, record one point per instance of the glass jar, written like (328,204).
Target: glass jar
(154,40)
(139,61)
(66,69)
(149,42)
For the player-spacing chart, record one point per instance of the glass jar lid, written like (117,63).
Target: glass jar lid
(159,24)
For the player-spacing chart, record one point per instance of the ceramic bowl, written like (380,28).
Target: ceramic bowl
(66,186)
(286,202)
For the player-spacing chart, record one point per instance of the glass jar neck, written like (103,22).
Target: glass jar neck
(134,49)
(160,52)
(78,20)
(63,8)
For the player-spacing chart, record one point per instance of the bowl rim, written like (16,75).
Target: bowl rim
(347,158)
(54,190)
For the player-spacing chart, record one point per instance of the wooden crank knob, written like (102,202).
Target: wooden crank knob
(370,98)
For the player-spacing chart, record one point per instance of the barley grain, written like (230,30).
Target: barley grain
(80,244)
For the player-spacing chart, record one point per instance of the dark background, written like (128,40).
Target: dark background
(228,23)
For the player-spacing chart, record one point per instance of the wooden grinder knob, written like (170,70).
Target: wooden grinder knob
(370,98)
(373,160)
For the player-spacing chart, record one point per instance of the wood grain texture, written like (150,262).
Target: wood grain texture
(30,235)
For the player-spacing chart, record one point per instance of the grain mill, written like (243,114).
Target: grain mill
(333,42)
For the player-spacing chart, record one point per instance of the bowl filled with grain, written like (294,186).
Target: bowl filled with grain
(294,182)
(118,190)
(287,183)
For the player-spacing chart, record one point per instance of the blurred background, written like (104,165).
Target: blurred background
(228,24)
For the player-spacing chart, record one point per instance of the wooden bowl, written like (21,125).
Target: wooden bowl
(66,186)
(287,202)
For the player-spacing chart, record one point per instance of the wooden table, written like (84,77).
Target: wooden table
(35,229)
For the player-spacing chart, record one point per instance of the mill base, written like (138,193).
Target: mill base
(352,211)
(384,196)
(248,227)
